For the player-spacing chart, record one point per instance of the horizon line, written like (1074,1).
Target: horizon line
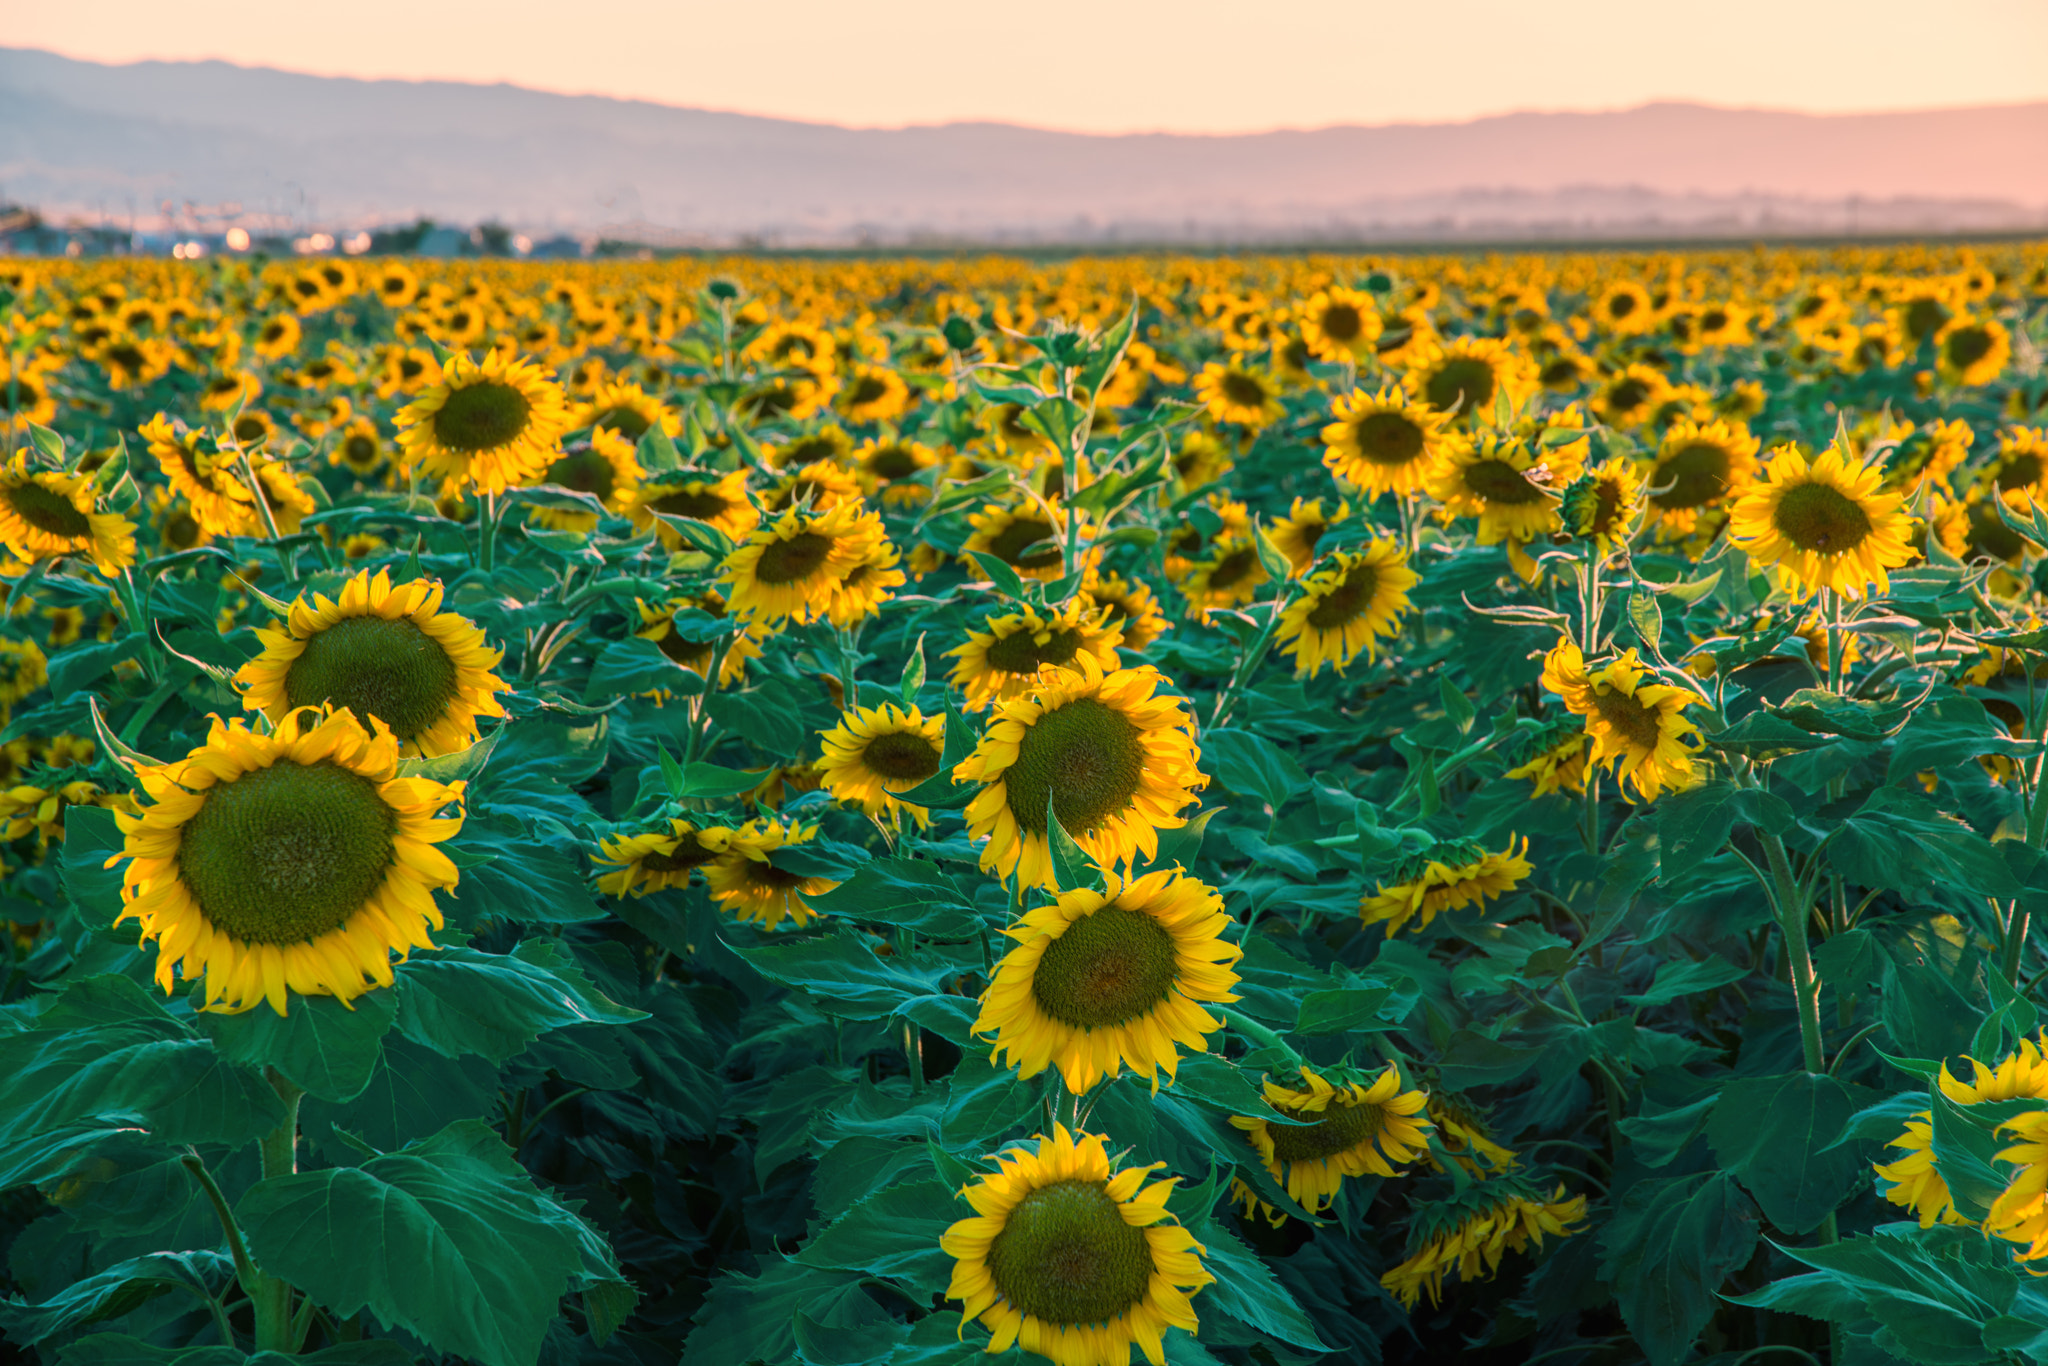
(983,122)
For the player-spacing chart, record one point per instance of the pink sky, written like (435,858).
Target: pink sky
(1117,65)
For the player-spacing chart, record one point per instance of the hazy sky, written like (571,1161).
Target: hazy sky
(1115,65)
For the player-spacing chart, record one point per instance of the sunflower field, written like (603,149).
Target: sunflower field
(887,812)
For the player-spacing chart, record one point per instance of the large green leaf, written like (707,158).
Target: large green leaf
(1777,1135)
(461,1000)
(327,1048)
(846,977)
(1246,762)
(1903,842)
(116,1291)
(894,1232)
(913,893)
(1668,1250)
(446,1238)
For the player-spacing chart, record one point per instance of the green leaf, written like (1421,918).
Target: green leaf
(1349,1009)
(1681,977)
(413,1093)
(1777,1136)
(916,893)
(1072,867)
(1246,1288)
(1902,841)
(118,1290)
(446,1239)
(327,1048)
(1105,353)
(520,877)
(1247,762)
(1694,825)
(939,792)
(894,1232)
(632,666)
(845,977)
(657,451)
(846,1327)
(912,679)
(1648,620)
(1667,1251)
(459,1000)
(90,835)
(1000,575)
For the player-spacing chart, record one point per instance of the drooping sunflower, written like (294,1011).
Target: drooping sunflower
(381,651)
(1462,1135)
(1476,1231)
(1971,350)
(791,569)
(1823,523)
(494,425)
(1603,505)
(659,625)
(1103,982)
(1116,762)
(1511,487)
(1638,729)
(1931,453)
(1014,651)
(1232,575)
(1462,378)
(870,582)
(656,860)
(47,513)
(745,880)
(1132,607)
(207,478)
(1071,1259)
(1698,466)
(626,409)
(1338,322)
(605,467)
(1355,1129)
(297,861)
(1448,877)
(1346,607)
(1913,1182)
(715,500)
(1023,537)
(1238,394)
(1384,443)
(1556,761)
(876,752)
(1297,533)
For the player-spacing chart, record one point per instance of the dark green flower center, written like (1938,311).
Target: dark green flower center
(1924,317)
(624,419)
(1697,474)
(1087,757)
(359,451)
(1341,323)
(1821,519)
(1343,1128)
(892,462)
(1464,382)
(1066,1256)
(251,428)
(1497,481)
(1234,568)
(1636,722)
(585,471)
(701,504)
(1348,601)
(1109,967)
(1012,545)
(2022,471)
(901,756)
(284,854)
(1244,390)
(1621,304)
(809,450)
(391,670)
(1019,653)
(867,389)
(689,853)
(1966,346)
(1627,396)
(793,560)
(1388,438)
(18,393)
(481,417)
(48,511)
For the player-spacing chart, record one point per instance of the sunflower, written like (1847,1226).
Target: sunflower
(1346,607)
(1132,607)
(45,514)
(792,569)
(283,494)
(1297,533)
(1491,1219)
(2020,1213)
(494,425)
(1115,763)
(819,485)
(1697,467)
(796,345)
(1352,1130)
(1015,651)
(875,752)
(1556,765)
(278,337)
(1023,537)
(1338,322)
(1464,1139)
(1201,461)
(1512,488)
(1237,393)
(656,860)
(1624,307)
(874,393)
(1972,350)
(2021,465)
(1230,577)
(1462,378)
(828,445)
(626,409)
(207,479)
(1933,452)
(1631,396)
(659,625)
(25,394)
(361,448)
(297,861)
(605,467)
(1384,443)
(1603,504)
(1822,524)
(1913,1182)
(746,882)
(1072,1259)
(1100,982)
(1449,877)
(1638,729)
(870,582)
(719,501)
(231,390)
(891,468)
(382,652)
(23,668)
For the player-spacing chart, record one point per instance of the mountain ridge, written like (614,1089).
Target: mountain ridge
(342,150)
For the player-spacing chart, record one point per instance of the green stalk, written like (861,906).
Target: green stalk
(272,1295)
(487,534)
(913,1037)
(1792,922)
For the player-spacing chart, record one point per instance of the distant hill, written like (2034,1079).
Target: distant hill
(77,137)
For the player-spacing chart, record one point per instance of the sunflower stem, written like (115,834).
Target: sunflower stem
(487,534)
(272,1295)
(256,492)
(1792,922)
(245,1270)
